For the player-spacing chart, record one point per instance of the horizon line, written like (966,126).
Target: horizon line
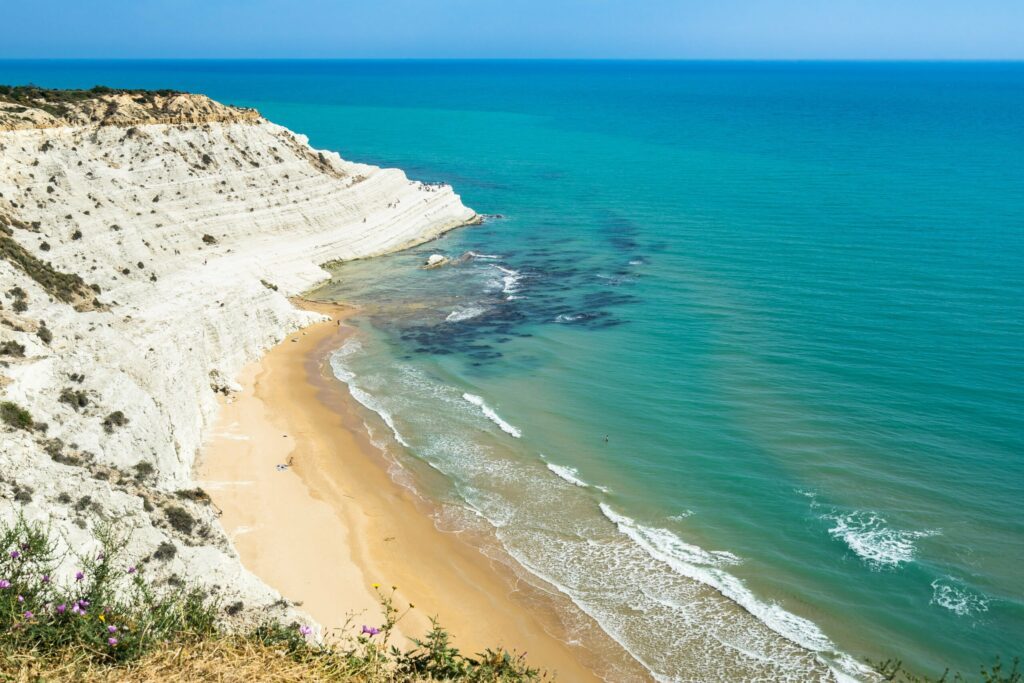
(776,60)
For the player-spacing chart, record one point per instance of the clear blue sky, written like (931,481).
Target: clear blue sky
(709,29)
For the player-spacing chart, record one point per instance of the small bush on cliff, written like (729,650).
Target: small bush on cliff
(15,416)
(115,419)
(180,520)
(12,348)
(76,398)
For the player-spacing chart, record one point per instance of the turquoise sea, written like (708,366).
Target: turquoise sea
(736,362)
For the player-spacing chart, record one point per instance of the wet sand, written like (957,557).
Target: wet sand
(332,523)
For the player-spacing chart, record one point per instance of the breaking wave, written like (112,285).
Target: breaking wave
(569,474)
(957,598)
(343,373)
(707,567)
(868,536)
(492,416)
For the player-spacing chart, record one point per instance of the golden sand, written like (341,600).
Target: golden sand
(326,528)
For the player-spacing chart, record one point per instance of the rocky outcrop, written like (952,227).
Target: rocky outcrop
(159,258)
(28,107)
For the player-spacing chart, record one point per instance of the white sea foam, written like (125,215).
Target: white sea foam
(569,474)
(466,313)
(956,597)
(492,416)
(707,567)
(484,257)
(509,280)
(867,535)
(567,318)
(346,375)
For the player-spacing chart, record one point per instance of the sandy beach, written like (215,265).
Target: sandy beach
(332,523)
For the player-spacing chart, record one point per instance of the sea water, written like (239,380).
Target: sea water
(736,362)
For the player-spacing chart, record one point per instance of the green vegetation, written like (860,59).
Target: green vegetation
(115,419)
(76,398)
(59,102)
(67,287)
(893,671)
(108,621)
(44,334)
(12,348)
(180,520)
(15,416)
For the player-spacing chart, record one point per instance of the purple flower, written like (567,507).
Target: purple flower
(111,642)
(112,629)
(370,630)
(61,608)
(75,609)
(28,615)
(21,598)
(131,570)
(46,578)
(4,583)
(305,630)
(15,554)
(79,576)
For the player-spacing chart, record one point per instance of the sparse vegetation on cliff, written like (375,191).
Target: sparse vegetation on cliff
(67,287)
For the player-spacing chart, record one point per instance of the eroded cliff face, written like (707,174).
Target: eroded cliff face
(142,265)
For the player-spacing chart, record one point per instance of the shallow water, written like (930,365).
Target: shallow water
(789,295)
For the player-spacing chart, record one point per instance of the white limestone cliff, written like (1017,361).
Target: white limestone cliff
(194,232)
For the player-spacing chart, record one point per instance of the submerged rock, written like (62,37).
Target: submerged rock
(435,261)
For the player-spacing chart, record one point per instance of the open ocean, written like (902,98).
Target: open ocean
(744,334)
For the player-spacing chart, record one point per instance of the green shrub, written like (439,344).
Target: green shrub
(12,348)
(144,470)
(106,611)
(165,551)
(115,419)
(15,416)
(180,520)
(76,398)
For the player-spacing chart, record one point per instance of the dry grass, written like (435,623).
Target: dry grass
(225,660)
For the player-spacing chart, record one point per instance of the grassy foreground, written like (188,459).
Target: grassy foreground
(108,621)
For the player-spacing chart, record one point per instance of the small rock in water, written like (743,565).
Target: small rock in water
(435,260)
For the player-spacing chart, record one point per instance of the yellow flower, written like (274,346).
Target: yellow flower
(102,618)
(376,585)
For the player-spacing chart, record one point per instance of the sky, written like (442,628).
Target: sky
(611,29)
